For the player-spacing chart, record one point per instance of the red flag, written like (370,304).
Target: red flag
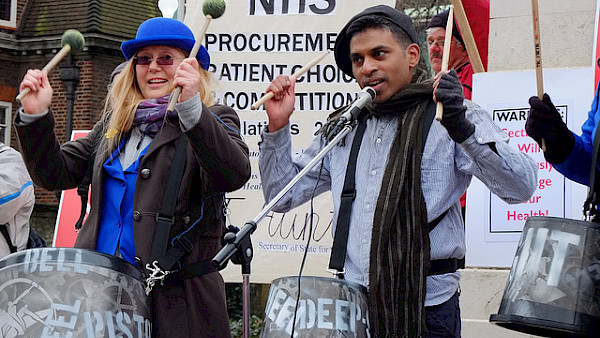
(478,15)
(597,47)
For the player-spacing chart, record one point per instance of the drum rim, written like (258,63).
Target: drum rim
(533,325)
(89,257)
(561,220)
(355,285)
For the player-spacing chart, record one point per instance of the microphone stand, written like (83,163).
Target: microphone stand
(239,243)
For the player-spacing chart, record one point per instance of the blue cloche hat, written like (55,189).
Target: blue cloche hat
(164,32)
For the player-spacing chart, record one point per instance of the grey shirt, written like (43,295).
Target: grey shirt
(446,169)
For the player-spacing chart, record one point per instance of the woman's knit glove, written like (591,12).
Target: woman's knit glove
(449,92)
(544,123)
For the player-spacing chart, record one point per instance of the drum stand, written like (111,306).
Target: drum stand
(239,246)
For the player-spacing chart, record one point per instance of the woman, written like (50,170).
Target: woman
(136,147)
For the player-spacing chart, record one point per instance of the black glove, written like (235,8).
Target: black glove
(450,93)
(544,123)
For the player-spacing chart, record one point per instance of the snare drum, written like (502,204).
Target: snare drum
(66,292)
(553,288)
(327,308)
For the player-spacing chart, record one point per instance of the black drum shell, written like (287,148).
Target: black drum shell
(553,288)
(71,292)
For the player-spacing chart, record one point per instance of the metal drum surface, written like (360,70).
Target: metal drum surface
(553,288)
(66,292)
(327,307)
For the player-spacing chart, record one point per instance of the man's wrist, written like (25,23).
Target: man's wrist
(276,125)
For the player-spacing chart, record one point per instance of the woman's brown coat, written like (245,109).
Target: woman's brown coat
(217,161)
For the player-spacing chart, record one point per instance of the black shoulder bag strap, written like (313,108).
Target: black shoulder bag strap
(4,231)
(340,239)
(165,218)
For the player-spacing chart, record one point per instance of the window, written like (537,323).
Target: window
(8,13)
(5,118)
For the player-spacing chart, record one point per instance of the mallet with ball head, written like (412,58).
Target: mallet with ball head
(212,9)
(72,41)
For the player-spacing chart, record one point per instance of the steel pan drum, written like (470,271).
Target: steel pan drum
(327,308)
(553,288)
(65,292)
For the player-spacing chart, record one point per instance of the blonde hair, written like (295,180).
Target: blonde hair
(122,100)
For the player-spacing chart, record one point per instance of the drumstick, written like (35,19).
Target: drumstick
(538,55)
(299,72)
(212,9)
(467,35)
(445,57)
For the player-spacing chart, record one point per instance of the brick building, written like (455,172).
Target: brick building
(30,35)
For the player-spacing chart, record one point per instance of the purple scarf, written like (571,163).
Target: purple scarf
(150,115)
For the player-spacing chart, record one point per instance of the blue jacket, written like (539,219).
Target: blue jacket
(577,166)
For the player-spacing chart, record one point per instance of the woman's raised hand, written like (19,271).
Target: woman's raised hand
(40,97)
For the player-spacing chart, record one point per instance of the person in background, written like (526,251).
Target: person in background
(408,178)
(115,73)
(16,201)
(458,59)
(134,145)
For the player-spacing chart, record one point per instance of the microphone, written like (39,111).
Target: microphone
(364,97)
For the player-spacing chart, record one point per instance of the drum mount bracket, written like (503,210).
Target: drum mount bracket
(157,274)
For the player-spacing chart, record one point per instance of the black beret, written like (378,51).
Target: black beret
(394,16)
(441,19)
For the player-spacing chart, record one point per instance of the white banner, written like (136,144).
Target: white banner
(253,42)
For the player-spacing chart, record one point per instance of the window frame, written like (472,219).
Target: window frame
(7,106)
(12,22)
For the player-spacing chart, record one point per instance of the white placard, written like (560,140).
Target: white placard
(493,228)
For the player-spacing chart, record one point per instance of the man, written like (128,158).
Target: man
(16,201)
(402,183)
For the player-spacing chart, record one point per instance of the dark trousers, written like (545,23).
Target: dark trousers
(443,321)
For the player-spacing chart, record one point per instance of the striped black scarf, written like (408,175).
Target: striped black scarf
(399,257)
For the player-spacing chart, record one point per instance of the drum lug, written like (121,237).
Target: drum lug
(156,274)
(337,274)
(588,211)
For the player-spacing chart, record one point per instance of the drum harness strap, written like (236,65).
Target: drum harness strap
(340,239)
(590,211)
(4,231)
(164,256)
